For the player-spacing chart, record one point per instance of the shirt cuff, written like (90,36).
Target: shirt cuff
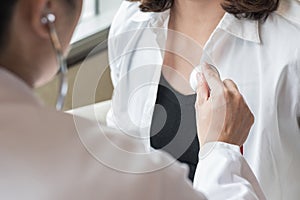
(217,146)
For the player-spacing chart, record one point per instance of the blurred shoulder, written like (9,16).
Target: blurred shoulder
(290,10)
(129,17)
(283,26)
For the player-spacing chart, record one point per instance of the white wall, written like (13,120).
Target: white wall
(92,67)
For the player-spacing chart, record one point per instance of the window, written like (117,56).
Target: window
(96,16)
(93,26)
(90,9)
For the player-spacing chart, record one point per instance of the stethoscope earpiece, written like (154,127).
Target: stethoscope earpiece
(48,18)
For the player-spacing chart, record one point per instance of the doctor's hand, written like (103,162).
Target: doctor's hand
(221,112)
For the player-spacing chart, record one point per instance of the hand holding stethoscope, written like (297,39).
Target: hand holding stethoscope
(216,117)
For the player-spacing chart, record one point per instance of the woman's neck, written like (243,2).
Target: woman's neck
(198,10)
(196,18)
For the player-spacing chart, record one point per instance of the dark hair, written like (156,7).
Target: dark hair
(6,10)
(249,9)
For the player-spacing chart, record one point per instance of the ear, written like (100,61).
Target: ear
(39,9)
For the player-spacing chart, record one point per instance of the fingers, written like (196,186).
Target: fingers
(231,86)
(211,70)
(213,79)
(202,90)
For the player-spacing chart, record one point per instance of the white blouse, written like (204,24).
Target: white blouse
(262,58)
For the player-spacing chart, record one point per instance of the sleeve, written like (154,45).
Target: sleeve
(298,93)
(223,173)
(113,52)
(119,36)
(114,72)
(113,64)
(289,9)
(113,47)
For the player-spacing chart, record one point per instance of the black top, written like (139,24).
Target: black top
(173,126)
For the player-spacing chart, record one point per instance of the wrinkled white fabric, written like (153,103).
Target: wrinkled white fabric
(262,58)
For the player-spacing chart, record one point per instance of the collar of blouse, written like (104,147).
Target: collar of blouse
(241,28)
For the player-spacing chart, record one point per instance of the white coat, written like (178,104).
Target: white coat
(262,58)
(45,154)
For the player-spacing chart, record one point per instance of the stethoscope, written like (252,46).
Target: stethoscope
(197,70)
(49,20)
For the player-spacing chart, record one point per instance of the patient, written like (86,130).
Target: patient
(252,42)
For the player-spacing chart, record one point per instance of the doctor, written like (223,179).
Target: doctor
(47,154)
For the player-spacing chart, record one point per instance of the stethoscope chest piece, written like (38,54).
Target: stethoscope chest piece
(193,77)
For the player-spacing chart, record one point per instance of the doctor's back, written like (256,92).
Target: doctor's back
(44,157)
